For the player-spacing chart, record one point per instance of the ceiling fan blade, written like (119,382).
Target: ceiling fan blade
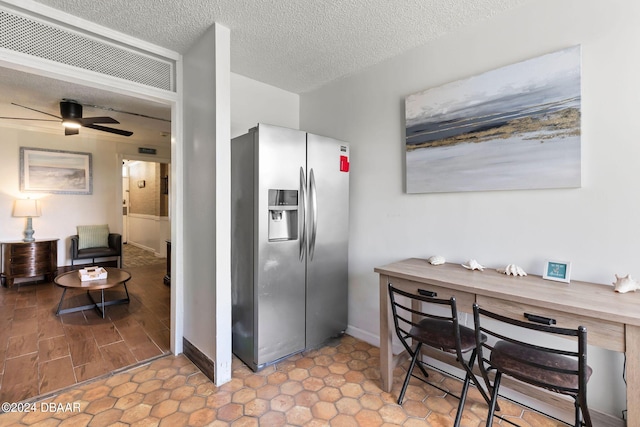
(110,130)
(34,120)
(38,111)
(91,120)
(125,112)
(71,131)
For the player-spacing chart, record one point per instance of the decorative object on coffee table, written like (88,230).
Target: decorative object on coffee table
(92,273)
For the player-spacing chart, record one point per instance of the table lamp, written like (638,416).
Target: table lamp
(27,208)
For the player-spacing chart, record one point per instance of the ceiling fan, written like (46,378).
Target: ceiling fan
(72,120)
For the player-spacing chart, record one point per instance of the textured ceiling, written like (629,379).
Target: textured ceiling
(296,45)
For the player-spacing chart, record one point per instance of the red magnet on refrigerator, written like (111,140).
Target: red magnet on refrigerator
(344,164)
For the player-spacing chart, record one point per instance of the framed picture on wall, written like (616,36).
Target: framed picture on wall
(517,127)
(55,171)
(560,271)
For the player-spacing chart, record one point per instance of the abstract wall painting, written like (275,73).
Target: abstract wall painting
(513,128)
(55,171)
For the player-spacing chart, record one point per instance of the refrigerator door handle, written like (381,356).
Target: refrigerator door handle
(303,213)
(313,199)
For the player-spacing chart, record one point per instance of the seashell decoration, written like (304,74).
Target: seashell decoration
(436,260)
(512,270)
(472,264)
(625,284)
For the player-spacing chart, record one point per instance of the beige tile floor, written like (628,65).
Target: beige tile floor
(337,385)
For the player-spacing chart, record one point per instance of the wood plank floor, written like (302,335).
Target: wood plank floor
(41,352)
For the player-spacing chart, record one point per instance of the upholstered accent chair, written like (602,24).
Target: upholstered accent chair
(95,241)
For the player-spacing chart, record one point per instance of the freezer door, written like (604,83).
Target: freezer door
(327,238)
(280,271)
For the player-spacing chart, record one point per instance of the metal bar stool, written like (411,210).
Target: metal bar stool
(552,368)
(440,332)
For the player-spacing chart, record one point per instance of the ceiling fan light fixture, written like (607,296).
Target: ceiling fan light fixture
(72,120)
(70,123)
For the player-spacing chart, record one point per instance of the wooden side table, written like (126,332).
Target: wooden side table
(29,259)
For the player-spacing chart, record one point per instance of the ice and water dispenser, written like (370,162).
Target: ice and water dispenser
(283,215)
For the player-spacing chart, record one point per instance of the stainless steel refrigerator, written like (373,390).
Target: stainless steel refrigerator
(290,222)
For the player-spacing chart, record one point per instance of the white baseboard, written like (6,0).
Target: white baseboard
(363,335)
(370,338)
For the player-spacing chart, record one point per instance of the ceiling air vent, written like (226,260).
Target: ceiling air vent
(32,37)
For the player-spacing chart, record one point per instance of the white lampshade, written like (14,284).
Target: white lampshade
(26,208)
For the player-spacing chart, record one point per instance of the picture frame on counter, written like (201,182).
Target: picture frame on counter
(559,271)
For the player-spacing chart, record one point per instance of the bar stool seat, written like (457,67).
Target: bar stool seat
(440,334)
(520,362)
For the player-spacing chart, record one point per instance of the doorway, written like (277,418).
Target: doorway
(95,346)
(146,224)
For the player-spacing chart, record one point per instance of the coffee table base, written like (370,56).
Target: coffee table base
(99,306)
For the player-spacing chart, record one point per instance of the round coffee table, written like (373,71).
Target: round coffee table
(71,280)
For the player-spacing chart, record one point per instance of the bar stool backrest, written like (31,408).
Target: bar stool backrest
(543,365)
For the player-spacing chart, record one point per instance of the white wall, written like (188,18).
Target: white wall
(253,102)
(149,232)
(61,213)
(595,227)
